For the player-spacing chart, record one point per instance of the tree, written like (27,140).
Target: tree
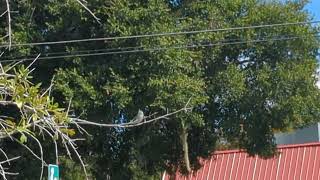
(244,84)
(27,113)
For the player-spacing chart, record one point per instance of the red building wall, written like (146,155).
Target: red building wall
(295,162)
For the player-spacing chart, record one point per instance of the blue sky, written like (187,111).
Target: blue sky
(314,8)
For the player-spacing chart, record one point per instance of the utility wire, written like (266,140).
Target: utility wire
(132,48)
(159,49)
(161,34)
(115,49)
(89,51)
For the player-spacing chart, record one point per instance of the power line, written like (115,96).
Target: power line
(120,48)
(161,34)
(88,51)
(159,49)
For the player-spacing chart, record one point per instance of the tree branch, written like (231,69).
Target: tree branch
(57,124)
(86,8)
(130,124)
(9,23)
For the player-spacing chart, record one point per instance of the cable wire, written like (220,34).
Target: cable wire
(161,34)
(91,50)
(118,49)
(159,49)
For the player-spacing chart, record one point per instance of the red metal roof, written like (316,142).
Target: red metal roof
(295,162)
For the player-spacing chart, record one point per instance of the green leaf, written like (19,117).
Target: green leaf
(19,104)
(70,132)
(23,138)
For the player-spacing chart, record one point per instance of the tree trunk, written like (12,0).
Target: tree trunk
(184,142)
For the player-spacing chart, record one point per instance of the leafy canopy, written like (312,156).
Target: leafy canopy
(242,91)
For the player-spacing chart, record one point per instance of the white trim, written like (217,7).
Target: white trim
(163,175)
(221,166)
(209,167)
(308,164)
(215,167)
(265,172)
(250,162)
(314,163)
(285,162)
(203,170)
(225,172)
(255,166)
(260,167)
(295,169)
(244,165)
(238,166)
(234,156)
(278,166)
(304,153)
(290,162)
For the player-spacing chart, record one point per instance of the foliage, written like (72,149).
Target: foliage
(242,92)
(28,106)
(29,116)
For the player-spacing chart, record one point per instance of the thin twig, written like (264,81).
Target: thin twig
(9,23)
(9,160)
(2,55)
(41,152)
(14,64)
(3,37)
(1,67)
(54,141)
(5,130)
(3,13)
(2,172)
(30,150)
(2,169)
(69,105)
(128,125)
(80,159)
(5,155)
(86,8)
(11,173)
(81,129)
(35,59)
(49,88)
(186,106)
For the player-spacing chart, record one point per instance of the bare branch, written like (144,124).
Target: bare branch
(48,90)
(30,150)
(5,130)
(3,13)
(9,160)
(3,173)
(82,130)
(41,153)
(86,8)
(5,155)
(128,125)
(3,37)
(9,23)
(80,159)
(54,141)
(35,59)
(69,106)
(13,65)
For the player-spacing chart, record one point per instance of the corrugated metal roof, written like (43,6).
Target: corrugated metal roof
(295,162)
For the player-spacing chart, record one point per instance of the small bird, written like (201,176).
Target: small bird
(139,117)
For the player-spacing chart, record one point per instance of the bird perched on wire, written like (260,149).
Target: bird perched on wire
(138,118)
